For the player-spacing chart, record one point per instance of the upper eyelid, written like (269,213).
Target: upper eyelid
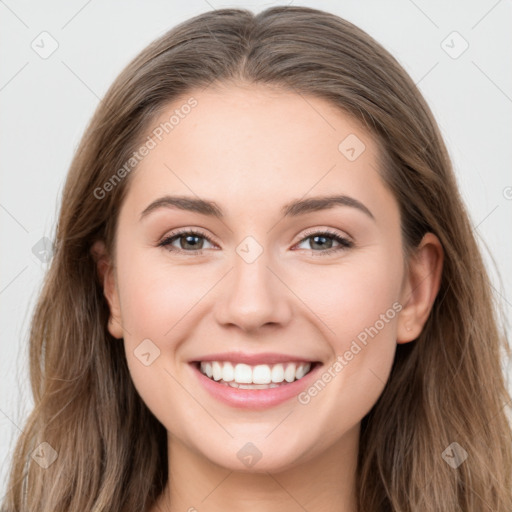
(330,231)
(193,231)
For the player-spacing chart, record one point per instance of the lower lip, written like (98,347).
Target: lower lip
(255,398)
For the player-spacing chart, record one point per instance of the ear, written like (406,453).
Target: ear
(420,287)
(106,276)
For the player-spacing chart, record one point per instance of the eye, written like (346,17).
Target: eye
(324,240)
(189,241)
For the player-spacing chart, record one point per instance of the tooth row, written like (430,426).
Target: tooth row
(259,374)
(250,386)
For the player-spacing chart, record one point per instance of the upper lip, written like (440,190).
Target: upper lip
(253,359)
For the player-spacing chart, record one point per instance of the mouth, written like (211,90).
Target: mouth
(260,376)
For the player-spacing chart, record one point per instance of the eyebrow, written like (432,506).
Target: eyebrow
(292,209)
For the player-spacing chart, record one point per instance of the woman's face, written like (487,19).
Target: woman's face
(260,281)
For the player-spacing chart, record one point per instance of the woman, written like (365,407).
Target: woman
(191,350)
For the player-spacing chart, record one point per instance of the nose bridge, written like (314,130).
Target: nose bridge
(253,296)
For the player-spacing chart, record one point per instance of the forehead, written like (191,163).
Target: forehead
(245,144)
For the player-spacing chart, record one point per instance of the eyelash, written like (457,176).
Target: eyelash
(345,243)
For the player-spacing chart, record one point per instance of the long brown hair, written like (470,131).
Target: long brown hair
(445,387)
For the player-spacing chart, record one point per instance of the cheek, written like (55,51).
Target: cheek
(357,303)
(353,296)
(159,300)
(155,299)
(156,294)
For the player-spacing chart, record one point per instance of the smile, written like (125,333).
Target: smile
(261,376)
(253,386)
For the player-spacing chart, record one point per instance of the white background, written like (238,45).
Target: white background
(46,103)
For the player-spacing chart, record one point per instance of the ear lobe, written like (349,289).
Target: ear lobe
(106,277)
(420,288)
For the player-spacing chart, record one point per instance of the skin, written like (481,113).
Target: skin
(252,149)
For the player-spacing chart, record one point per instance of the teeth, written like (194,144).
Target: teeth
(228,372)
(216,370)
(289,373)
(277,373)
(260,376)
(243,374)
(251,386)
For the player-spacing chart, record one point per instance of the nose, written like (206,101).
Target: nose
(253,296)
